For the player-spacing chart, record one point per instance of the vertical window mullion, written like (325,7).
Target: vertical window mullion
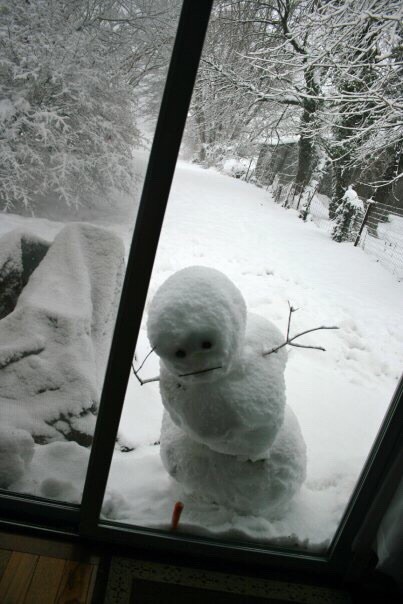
(170,125)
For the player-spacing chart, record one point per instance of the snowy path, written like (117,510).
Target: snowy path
(340,396)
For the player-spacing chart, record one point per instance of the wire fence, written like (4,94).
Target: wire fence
(382,236)
(379,233)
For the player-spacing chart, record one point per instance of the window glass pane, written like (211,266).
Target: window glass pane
(256,446)
(80,87)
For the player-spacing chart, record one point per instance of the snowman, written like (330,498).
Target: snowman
(227,434)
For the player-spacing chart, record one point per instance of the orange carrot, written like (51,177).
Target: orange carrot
(176,514)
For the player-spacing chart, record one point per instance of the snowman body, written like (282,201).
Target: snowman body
(227,433)
(239,412)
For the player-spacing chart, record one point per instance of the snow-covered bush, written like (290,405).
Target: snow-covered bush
(348,216)
(66,112)
(238,167)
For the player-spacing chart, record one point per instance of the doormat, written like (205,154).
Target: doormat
(133,581)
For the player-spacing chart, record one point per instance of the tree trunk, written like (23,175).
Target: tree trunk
(200,120)
(306,149)
(340,184)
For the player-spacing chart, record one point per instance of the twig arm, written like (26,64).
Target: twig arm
(310,330)
(148,380)
(290,341)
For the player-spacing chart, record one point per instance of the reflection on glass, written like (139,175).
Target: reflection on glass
(237,416)
(80,88)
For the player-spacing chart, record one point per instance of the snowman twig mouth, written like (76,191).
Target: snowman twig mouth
(202,371)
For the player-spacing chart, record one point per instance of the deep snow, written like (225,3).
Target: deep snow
(339,396)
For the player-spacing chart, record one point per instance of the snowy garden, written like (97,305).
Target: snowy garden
(258,444)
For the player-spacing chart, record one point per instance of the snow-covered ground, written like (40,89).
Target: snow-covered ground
(339,396)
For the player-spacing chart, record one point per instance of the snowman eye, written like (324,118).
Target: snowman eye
(206,344)
(180,354)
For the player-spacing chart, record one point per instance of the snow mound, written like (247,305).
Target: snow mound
(54,344)
(57,471)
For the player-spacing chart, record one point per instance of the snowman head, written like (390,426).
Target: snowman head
(196,323)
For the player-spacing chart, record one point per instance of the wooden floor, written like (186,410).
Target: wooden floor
(34,571)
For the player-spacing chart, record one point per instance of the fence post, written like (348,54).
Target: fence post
(278,193)
(301,186)
(364,221)
(248,170)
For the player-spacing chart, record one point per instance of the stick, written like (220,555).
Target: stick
(197,372)
(146,357)
(290,341)
(148,380)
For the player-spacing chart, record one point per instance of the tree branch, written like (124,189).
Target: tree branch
(135,371)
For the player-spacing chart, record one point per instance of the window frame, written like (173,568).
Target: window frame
(85,520)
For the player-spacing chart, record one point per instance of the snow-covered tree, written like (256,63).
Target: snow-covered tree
(69,78)
(348,216)
(258,78)
(362,55)
(229,118)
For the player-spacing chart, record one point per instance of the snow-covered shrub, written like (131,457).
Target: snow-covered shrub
(66,110)
(238,167)
(348,216)
(213,154)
